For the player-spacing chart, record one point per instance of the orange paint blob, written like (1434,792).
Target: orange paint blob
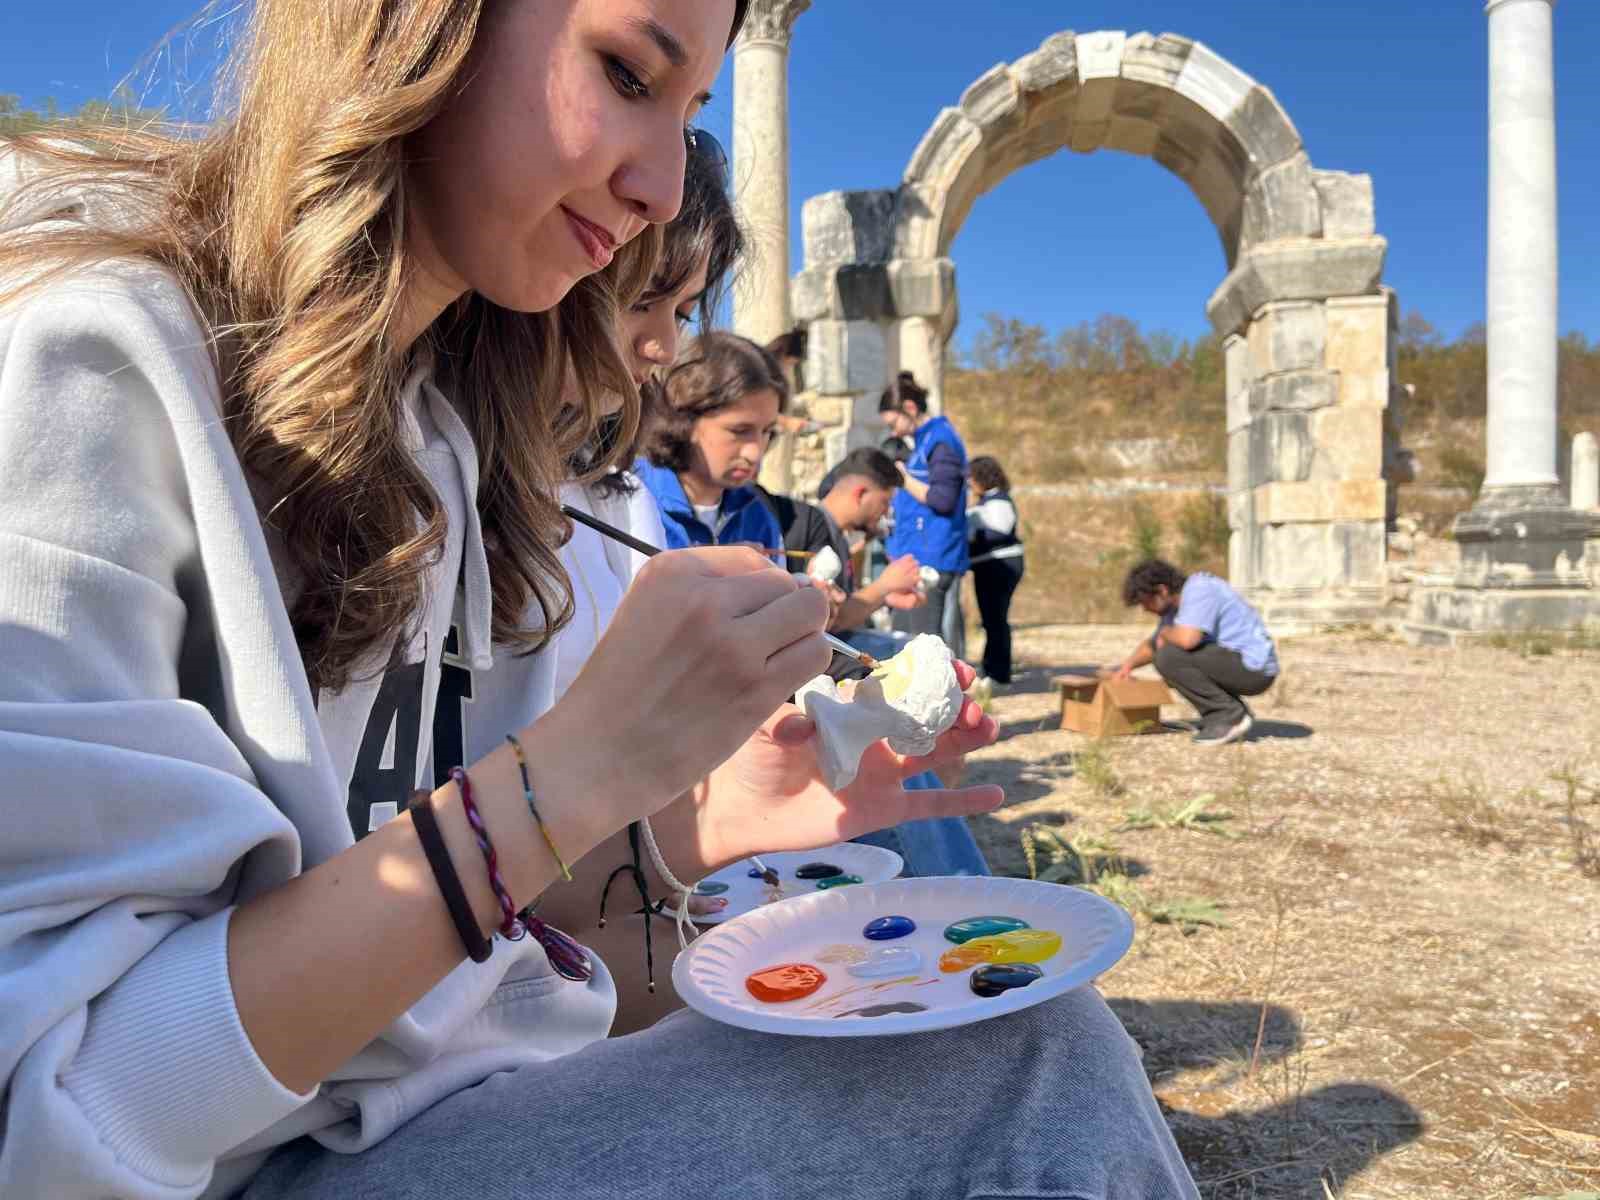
(791,981)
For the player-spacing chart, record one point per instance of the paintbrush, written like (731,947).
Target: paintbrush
(649,551)
(768,875)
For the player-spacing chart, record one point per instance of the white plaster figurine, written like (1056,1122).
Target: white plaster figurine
(825,565)
(910,700)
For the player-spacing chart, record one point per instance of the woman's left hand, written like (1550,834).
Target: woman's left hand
(770,794)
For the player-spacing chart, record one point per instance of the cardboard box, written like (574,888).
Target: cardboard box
(1111,707)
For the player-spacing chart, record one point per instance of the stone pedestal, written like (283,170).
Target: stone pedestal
(1525,560)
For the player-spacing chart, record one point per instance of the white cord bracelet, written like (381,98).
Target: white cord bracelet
(672,881)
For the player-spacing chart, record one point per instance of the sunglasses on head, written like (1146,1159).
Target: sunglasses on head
(708,147)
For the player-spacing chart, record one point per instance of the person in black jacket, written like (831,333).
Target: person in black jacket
(994,540)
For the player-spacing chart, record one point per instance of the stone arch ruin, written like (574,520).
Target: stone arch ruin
(1309,328)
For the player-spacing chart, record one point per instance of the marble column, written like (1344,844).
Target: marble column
(1522,271)
(1524,549)
(1521,533)
(761,166)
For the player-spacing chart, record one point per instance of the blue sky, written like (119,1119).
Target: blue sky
(1396,89)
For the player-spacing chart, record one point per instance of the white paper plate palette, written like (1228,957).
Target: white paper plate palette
(870,864)
(824,932)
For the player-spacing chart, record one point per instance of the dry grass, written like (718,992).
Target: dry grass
(1391,1010)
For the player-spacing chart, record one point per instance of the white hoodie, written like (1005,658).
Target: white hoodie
(164,762)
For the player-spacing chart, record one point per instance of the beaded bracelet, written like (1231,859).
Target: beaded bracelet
(527,794)
(511,928)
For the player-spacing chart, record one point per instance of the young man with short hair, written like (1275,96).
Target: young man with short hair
(1209,644)
(862,487)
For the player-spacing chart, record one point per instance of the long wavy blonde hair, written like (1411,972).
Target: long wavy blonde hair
(283,219)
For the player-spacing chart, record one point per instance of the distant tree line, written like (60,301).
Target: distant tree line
(122,108)
(1115,358)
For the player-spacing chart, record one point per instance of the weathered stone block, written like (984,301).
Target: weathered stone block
(863,291)
(1348,208)
(1239,481)
(1282,203)
(1288,337)
(944,149)
(811,295)
(842,227)
(1280,502)
(1295,556)
(918,209)
(1310,269)
(1314,501)
(994,102)
(1358,552)
(1131,135)
(1263,129)
(1100,54)
(1053,64)
(1349,443)
(1364,389)
(1147,58)
(1099,77)
(1240,545)
(1237,379)
(1212,82)
(1358,333)
(1281,447)
(843,357)
(1293,391)
(922,287)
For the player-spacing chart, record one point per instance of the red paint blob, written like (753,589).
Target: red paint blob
(791,981)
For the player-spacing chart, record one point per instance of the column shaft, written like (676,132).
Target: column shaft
(1522,269)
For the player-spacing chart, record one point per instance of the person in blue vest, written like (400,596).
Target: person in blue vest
(712,419)
(930,520)
(994,540)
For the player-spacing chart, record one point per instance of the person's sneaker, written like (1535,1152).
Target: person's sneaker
(1221,735)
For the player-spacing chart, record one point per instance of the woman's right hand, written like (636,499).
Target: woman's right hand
(705,646)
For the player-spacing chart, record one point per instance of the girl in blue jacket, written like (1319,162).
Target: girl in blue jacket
(713,419)
(929,511)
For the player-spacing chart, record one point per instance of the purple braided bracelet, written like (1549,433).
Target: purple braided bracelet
(510,928)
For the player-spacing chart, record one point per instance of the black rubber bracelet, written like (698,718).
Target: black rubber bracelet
(444,874)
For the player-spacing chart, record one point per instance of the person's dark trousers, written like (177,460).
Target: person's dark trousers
(996,581)
(940,616)
(1212,679)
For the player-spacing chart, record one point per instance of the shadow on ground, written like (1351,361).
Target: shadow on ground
(1001,843)
(1289,1147)
(1022,779)
(1262,730)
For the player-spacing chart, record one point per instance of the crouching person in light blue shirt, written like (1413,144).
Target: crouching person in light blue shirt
(1209,644)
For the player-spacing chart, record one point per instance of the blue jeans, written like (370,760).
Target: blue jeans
(938,846)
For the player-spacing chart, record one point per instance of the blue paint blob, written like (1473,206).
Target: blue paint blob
(711,887)
(755,873)
(886,929)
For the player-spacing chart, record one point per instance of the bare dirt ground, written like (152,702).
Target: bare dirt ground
(1405,1000)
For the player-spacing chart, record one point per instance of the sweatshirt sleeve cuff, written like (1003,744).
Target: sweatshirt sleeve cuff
(166,1074)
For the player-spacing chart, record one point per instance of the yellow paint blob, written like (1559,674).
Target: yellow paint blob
(1019,945)
(895,676)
